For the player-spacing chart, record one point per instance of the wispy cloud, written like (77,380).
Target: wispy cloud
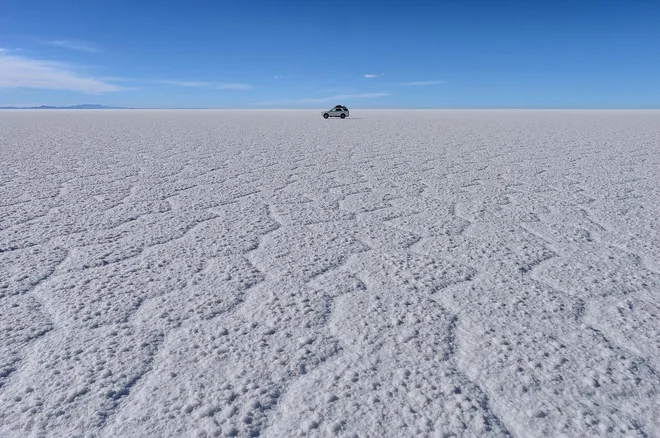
(314,100)
(282,77)
(368,76)
(81,46)
(23,72)
(419,83)
(211,85)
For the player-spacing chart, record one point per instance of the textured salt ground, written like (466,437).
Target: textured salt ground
(271,273)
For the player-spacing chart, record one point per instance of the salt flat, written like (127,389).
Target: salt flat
(271,273)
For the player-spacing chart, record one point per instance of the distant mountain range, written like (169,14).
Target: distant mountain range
(83,106)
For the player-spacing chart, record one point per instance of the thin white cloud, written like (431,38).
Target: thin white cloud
(81,46)
(234,87)
(22,72)
(419,83)
(282,77)
(368,76)
(314,100)
(117,79)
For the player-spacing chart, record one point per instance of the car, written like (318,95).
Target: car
(338,111)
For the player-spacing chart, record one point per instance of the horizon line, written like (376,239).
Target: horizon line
(73,108)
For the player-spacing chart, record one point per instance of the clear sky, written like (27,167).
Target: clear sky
(318,53)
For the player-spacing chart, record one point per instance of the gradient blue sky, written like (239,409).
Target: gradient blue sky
(315,54)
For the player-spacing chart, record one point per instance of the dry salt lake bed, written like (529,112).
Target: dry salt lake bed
(271,273)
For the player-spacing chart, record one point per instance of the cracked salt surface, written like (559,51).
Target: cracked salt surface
(270,273)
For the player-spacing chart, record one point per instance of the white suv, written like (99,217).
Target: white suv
(337,111)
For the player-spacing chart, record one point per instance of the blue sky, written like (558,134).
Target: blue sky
(315,54)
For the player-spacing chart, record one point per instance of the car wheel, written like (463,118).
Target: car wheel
(325,116)
(343,116)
